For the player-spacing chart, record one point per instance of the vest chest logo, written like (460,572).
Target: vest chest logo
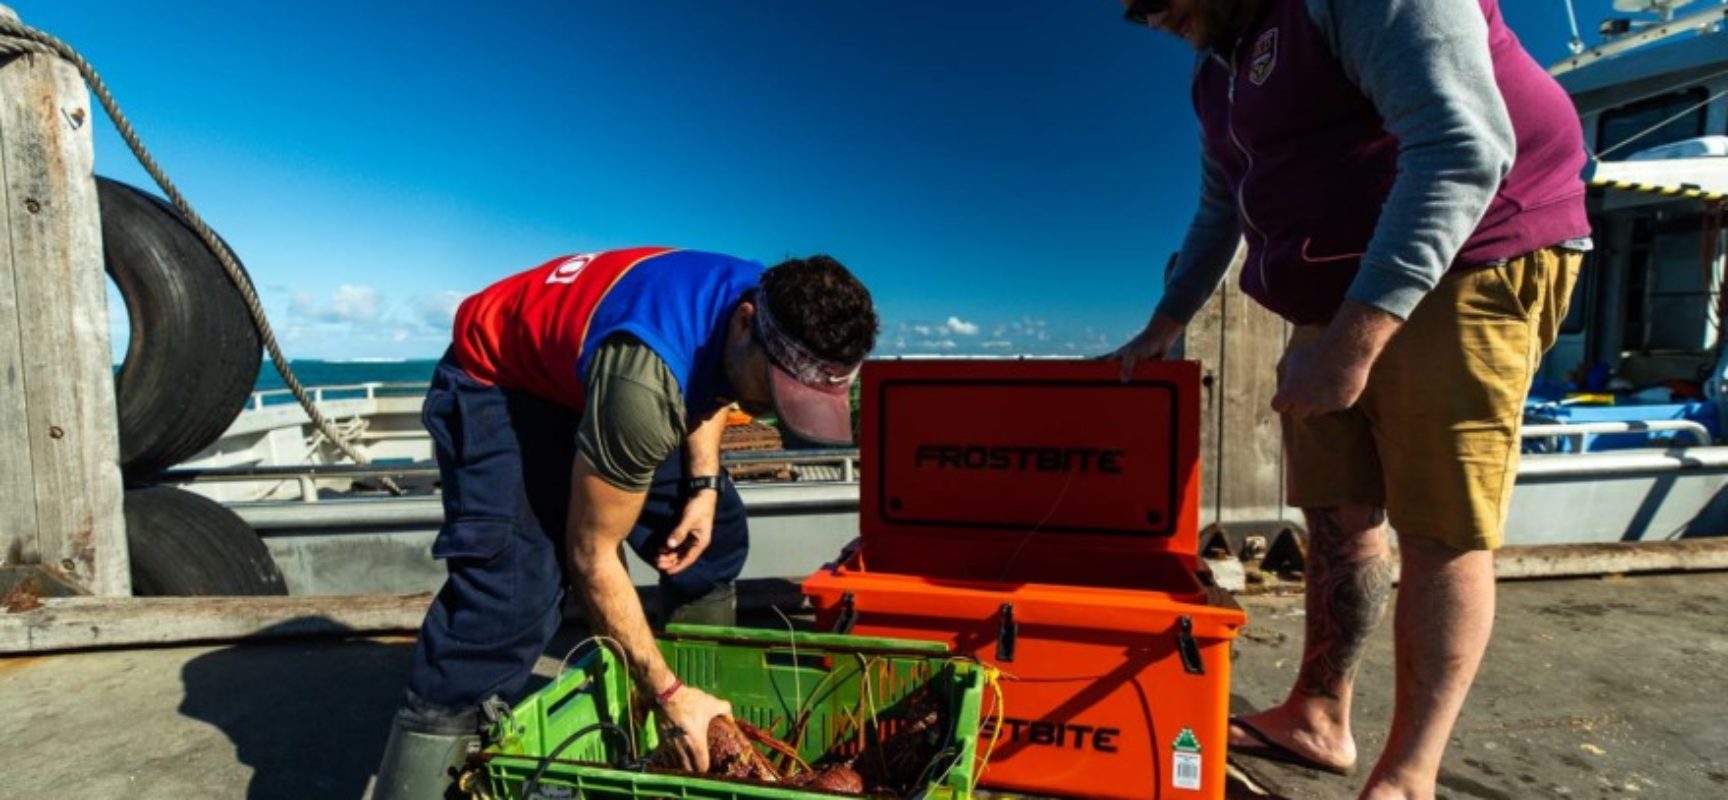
(569,268)
(1265,57)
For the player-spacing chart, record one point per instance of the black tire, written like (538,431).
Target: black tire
(185,545)
(194,354)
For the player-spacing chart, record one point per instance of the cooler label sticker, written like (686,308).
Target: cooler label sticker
(1185,773)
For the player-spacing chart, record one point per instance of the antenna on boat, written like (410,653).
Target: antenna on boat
(1621,34)
(1577,43)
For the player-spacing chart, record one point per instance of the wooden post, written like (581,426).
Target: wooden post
(1238,343)
(60,489)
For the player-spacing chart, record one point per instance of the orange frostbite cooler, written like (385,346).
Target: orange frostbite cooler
(1042,516)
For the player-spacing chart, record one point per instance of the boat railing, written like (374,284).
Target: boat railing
(307,476)
(369,390)
(1575,432)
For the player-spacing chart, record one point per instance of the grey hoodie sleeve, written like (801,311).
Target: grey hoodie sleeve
(1213,236)
(1425,66)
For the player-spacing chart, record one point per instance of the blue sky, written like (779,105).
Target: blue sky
(1007,177)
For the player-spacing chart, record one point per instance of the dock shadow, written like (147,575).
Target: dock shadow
(309,715)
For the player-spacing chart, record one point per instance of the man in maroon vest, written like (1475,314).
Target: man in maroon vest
(1406,179)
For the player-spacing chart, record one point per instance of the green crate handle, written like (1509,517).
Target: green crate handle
(814,641)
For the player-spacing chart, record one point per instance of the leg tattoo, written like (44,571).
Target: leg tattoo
(1349,583)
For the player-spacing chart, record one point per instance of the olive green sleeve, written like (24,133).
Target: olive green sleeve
(634,418)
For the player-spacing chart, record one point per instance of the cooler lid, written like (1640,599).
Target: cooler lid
(1000,451)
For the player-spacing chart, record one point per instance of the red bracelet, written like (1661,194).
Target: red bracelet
(661,698)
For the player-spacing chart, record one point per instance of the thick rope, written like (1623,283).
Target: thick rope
(17,38)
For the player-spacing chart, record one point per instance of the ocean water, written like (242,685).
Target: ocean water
(348,372)
(416,373)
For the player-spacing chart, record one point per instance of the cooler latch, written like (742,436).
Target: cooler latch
(848,614)
(1006,637)
(1187,648)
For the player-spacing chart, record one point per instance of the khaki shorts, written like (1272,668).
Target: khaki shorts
(1434,438)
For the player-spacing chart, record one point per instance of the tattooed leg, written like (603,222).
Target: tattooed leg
(1349,580)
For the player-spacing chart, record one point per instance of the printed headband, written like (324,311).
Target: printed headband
(793,358)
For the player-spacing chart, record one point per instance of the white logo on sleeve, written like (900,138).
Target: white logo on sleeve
(569,268)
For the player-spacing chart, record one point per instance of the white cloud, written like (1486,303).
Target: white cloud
(961,327)
(438,310)
(349,303)
(301,304)
(353,303)
(996,344)
(939,344)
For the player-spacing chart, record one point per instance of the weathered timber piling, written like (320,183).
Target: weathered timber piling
(60,487)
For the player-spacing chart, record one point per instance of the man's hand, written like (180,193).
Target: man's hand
(1152,343)
(1312,381)
(1330,374)
(687,713)
(687,541)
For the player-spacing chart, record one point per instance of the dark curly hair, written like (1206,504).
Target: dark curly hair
(821,304)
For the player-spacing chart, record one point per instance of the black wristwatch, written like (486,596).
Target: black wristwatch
(697,483)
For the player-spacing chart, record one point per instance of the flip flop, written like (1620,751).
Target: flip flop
(1268,750)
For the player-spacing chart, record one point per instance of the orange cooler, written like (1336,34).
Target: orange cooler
(1043,517)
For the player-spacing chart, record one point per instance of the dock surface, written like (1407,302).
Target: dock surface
(1597,688)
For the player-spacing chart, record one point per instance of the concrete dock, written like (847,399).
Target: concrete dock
(1593,688)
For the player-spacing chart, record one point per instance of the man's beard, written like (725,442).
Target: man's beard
(1216,22)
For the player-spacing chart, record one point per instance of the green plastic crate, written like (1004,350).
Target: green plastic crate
(758,673)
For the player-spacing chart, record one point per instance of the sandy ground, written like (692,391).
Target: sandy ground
(1596,688)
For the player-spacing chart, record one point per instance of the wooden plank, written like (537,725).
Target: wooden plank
(17,488)
(1251,447)
(1242,458)
(45,622)
(94,622)
(1615,558)
(1544,561)
(1203,340)
(102,554)
(60,312)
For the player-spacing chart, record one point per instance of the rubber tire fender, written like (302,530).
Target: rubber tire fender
(186,545)
(194,352)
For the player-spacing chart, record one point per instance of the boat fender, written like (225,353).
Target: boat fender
(193,356)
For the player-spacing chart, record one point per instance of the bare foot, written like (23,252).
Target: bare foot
(1380,788)
(1312,738)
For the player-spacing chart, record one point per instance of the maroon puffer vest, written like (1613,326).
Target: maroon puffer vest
(1312,164)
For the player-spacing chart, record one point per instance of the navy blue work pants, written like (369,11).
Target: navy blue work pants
(505,458)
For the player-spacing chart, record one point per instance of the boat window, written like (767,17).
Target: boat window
(1670,296)
(1668,115)
(1632,332)
(1577,309)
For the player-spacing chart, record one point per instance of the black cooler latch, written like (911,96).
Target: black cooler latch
(1187,648)
(1006,637)
(848,614)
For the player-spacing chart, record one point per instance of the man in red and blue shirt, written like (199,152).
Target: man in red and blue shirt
(580,408)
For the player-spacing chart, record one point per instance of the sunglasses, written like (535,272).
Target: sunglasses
(1140,12)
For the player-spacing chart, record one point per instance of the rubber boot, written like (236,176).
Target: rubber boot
(423,758)
(718,607)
